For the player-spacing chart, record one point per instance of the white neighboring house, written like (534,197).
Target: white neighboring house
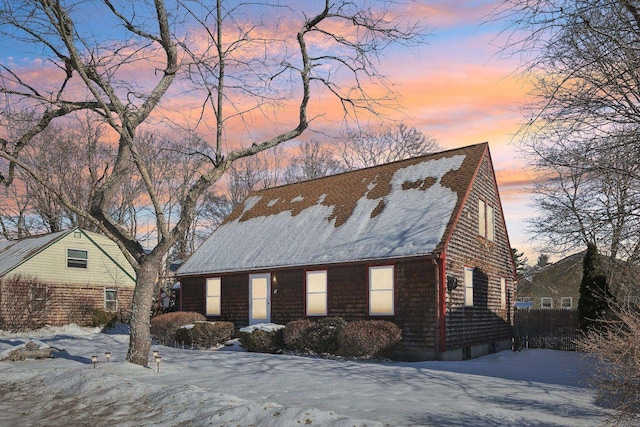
(64,276)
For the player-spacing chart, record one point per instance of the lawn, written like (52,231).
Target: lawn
(235,388)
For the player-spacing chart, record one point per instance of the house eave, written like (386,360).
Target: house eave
(430,255)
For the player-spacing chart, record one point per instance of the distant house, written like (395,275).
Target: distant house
(419,242)
(557,285)
(68,273)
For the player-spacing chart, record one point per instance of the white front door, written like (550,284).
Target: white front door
(259,298)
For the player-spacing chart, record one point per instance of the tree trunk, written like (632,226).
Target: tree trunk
(139,322)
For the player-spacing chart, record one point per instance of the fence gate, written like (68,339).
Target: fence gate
(545,328)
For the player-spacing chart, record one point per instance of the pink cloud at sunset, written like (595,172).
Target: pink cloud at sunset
(452,88)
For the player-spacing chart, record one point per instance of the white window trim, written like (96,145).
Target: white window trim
(570,302)
(106,291)
(503,293)
(468,286)
(77,259)
(374,292)
(309,293)
(213,291)
(491,223)
(543,299)
(482,218)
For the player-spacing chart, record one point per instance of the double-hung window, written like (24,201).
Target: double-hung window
(77,258)
(214,288)
(486,220)
(317,293)
(468,287)
(381,291)
(111,300)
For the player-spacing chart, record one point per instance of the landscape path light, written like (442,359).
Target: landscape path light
(94,360)
(108,356)
(158,359)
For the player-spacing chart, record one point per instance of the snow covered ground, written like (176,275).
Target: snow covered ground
(235,388)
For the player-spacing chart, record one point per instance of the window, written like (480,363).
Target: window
(38,298)
(566,302)
(486,220)
(381,291)
(503,293)
(491,226)
(111,300)
(468,286)
(214,286)
(77,258)
(546,302)
(482,220)
(317,293)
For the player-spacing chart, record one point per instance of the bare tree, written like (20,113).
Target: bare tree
(312,161)
(240,66)
(359,148)
(582,126)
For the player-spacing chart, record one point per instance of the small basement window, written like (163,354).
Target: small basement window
(381,291)
(111,300)
(546,302)
(77,258)
(566,302)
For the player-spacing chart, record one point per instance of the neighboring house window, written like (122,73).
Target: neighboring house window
(214,287)
(317,293)
(486,220)
(482,219)
(381,291)
(503,293)
(38,298)
(525,299)
(110,300)
(468,286)
(77,258)
(566,302)
(546,302)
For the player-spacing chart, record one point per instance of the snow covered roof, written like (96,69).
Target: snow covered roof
(395,210)
(15,252)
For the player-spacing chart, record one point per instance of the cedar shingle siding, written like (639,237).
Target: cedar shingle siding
(411,214)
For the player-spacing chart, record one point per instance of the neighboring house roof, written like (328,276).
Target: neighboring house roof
(14,253)
(401,209)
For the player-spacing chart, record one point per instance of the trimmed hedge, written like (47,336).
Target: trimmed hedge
(295,335)
(206,334)
(335,336)
(322,336)
(165,326)
(368,338)
(102,318)
(262,342)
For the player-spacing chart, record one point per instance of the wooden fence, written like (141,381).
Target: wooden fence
(545,328)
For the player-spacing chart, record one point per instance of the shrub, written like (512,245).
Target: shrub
(615,343)
(368,338)
(164,327)
(295,335)
(24,303)
(102,318)
(262,341)
(206,334)
(322,336)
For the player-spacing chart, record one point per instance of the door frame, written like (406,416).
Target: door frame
(252,277)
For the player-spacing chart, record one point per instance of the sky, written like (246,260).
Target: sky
(455,88)
(532,387)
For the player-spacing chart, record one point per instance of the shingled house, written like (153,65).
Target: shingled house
(420,242)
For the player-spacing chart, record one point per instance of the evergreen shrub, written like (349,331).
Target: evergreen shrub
(295,335)
(206,334)
(322,336)
(260,341)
